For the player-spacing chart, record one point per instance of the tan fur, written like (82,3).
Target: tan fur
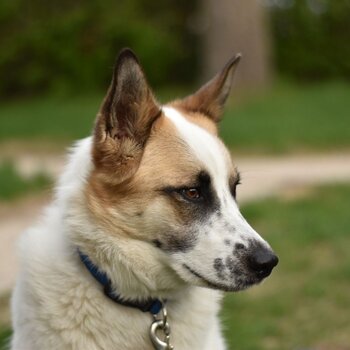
(124,122)
(211,97)
(137,151)
(166,161)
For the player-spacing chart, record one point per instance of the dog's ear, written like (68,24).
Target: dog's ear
(125,120)
(211,97)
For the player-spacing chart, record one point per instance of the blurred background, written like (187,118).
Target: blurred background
(287,124)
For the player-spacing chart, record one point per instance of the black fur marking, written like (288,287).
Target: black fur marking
(219,266)
(229,227)
(199,208)
(178,242)
(219,214)
(238,272)
(157,243)
(234,267)
(240,284)
(227,242)
(230,265)
(240,252)
(239,246)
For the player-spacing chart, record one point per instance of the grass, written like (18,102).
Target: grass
(5,330)
(287,118)
(305,303)
(291,118)
(13,185)
(49,118)
(4,338)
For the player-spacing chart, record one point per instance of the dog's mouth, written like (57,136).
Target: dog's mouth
(240,284)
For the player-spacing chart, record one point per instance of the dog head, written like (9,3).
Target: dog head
(162,177)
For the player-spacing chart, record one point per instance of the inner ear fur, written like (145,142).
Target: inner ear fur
(211,97)
(124,121)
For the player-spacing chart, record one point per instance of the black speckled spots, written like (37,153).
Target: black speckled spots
(230,265)
(229,227)
(219,267)
(233,267)
(227,241)
(239,251)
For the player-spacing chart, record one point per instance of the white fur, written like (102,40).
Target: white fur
(215,159)
(58,305)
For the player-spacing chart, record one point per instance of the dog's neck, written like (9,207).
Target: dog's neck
(134,280)
(150,305)
(133,276)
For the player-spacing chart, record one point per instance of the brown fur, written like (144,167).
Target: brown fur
(137,152)
(209,100)
(166,161)
(125,120)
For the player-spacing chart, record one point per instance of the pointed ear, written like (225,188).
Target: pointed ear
(211,97)
(124,121)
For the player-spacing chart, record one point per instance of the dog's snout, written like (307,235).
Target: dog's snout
(262,261)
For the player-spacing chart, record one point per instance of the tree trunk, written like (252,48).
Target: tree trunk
(232,26)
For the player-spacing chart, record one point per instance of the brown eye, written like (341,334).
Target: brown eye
(191,193)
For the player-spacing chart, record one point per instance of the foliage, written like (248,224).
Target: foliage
(14,185)
(311,38)
(304,303)
(55,45)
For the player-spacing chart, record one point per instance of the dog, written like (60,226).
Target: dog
(144,233)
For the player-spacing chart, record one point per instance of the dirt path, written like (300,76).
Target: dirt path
(261,177)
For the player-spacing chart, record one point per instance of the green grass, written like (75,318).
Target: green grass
(285,119)
(306,300)
(49,118)
(291,118)
(13,185)
(5,330)
(4,338)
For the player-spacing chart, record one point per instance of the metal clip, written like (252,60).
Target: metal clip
(163,326)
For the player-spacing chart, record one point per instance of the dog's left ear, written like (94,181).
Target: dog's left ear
(211,97)
(124,121)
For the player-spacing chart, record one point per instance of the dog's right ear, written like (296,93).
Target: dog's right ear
(124,121)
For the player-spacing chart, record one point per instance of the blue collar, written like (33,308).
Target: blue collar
(150,305)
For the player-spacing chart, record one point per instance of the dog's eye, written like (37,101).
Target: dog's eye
(192,194)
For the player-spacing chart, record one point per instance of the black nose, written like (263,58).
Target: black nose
(262,261)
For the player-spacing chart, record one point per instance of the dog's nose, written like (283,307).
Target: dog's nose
(262,261)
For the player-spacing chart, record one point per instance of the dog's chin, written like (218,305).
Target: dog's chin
(239,284)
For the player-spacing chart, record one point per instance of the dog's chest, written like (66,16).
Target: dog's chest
(192,325)
(81,317)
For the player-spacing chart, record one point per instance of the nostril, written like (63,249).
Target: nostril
(262,262)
